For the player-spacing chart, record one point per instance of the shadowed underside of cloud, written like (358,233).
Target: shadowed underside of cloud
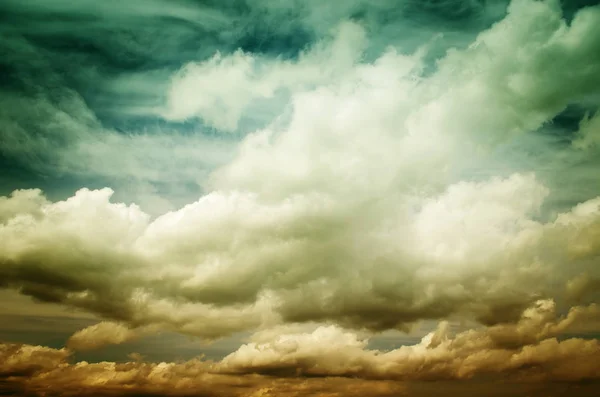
(231,262)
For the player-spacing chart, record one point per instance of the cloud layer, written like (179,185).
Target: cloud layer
(526,351)
(367,179)
(353,210)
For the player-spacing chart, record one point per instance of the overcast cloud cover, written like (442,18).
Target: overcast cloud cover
(308,178)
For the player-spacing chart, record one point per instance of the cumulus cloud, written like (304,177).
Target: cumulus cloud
(527,348)
(320,221)
(24,360)
(230,262)
(21,202)
(180,379)
(101,334)
(332,361)
(353,208)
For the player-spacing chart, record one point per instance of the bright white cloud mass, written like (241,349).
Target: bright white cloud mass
(387,175)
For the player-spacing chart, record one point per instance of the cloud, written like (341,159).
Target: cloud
(101,334)
(25,360)
(231,262)
(220,90)
(185,379)
(508,348)
(75,100)
(21,202)
(589,132)
(353,207)
(314,175)
(49,372)
(333,361)
(96,104)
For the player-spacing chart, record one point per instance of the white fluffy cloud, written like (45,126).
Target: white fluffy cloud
(231,261)
(508,349)
(101,334)
(221,89)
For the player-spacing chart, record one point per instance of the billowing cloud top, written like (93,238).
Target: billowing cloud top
(355,169)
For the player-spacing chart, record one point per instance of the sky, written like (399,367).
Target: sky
(299,198)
